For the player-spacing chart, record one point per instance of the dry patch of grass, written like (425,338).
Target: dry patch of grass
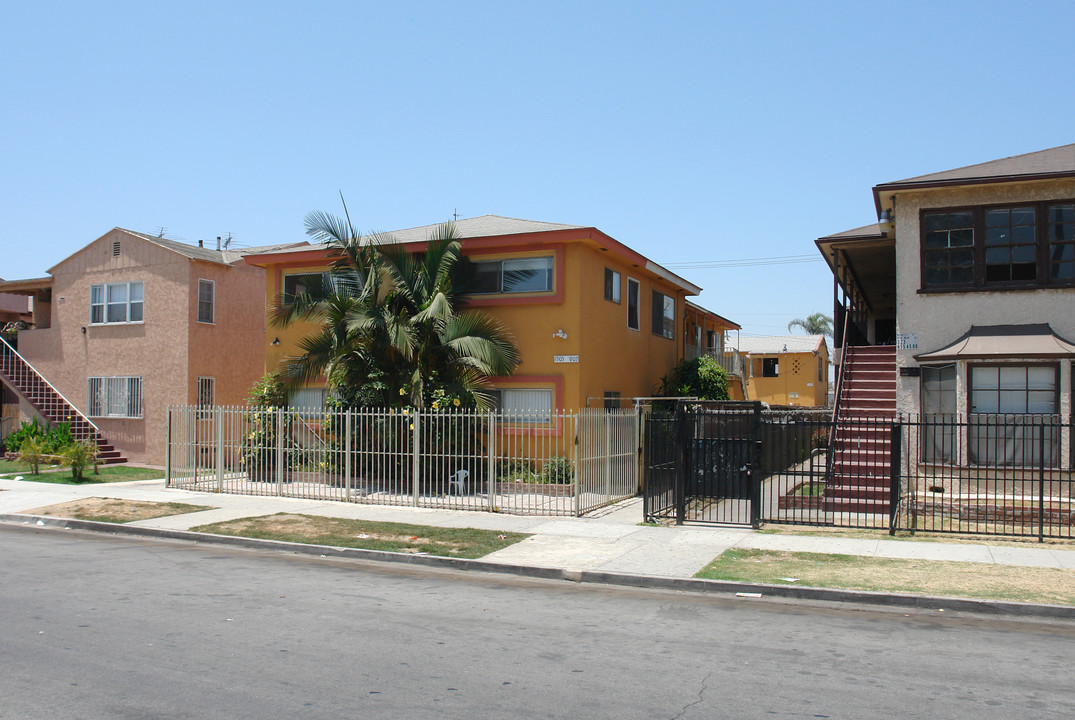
(924,577)
(368,535)
(921,536)
(115,510)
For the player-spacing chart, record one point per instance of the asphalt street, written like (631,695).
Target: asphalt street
(104,627)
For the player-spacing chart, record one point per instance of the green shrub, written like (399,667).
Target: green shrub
(558,470)
(32,452)
(80,455)
(517,471)
(14,441)
(58,438)
(702,377)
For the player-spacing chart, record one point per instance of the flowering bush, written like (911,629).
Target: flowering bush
(266,399)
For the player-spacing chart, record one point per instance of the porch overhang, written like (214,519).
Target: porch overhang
(1004,341)
(32,286)
(864,258)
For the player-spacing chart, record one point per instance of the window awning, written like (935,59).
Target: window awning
(1004,341)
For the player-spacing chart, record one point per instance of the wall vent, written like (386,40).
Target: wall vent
(115,249)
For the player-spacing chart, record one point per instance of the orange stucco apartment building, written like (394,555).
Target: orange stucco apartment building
(596,323)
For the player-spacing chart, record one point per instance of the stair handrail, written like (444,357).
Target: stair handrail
(829,456)
(52,387)
(840,375)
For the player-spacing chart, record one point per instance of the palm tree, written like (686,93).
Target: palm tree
(816,324)
(392,324)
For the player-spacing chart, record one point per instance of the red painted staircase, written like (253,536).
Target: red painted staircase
(21,377)
(860,481)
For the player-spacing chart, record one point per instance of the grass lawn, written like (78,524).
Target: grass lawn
(368,535)
(108,474)
(115,510)
(924,577)
(920,536)
(13,466)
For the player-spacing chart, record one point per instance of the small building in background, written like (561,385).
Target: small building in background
(790,370)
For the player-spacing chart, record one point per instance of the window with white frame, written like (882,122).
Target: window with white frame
(119,397)
(513,275)
(115,303)
(206,292)
(524,405)
(612,285)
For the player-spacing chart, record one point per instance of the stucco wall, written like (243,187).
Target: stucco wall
(611,356)
(230,350)
(615,357)
(940,318)
(796,382)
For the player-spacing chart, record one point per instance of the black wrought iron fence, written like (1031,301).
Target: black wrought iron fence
(741,463)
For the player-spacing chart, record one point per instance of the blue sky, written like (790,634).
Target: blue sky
(692,132)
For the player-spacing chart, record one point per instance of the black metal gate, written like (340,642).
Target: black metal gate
(700,464)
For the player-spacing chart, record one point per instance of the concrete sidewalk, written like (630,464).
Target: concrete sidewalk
(609,541)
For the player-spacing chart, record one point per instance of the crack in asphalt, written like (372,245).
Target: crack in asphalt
(701,692)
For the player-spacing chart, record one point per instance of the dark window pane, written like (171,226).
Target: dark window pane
(1063,271)
(962,219)
(936,240)
(1024,254)
(998,256)
(657,313)
(995,218)
(1023,216)
(962,275)
(936,259)
(962,238)
(935,222)
(963,257)
(936,276)
(1023,234)
(487,277)
(996,236)
(632,305)
(1025,272)
(1062,252)
(1062,213)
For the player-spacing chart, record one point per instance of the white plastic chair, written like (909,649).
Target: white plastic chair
(458,481)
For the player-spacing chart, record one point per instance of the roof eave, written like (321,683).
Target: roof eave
(906,185)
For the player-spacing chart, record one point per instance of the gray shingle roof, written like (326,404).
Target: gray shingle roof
(224,257)
(866,231)
(1045,163)
(776,344)
(482,226)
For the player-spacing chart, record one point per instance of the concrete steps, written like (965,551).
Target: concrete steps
(21,377)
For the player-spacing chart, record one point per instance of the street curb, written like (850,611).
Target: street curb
(693,585)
